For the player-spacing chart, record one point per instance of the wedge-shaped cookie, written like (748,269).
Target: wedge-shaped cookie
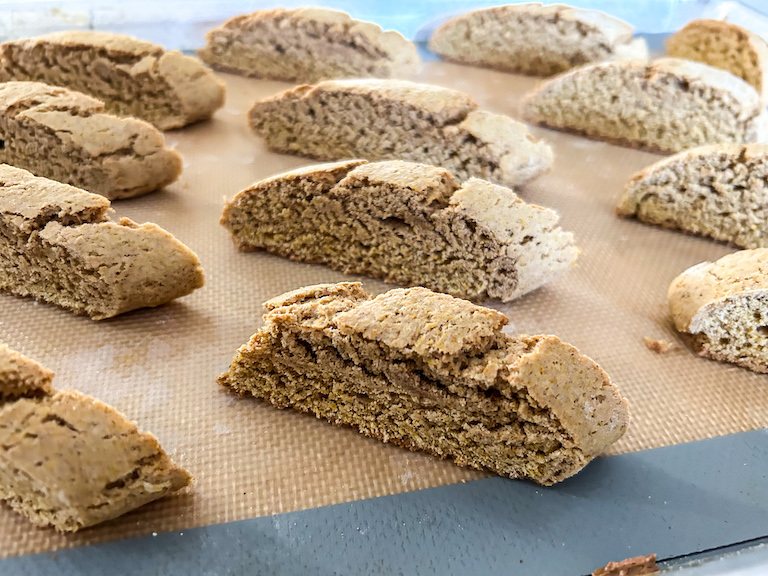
(406,223)
(430,372)
(62,134)
(58,245)
(307,45)
(724,305)
(68,460)
(400,120)
(133,77)
(534,39)
(724,45)
(666,106)
(718,191)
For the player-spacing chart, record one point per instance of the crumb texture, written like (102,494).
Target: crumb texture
(132,77)
(718,191)
(58,245)
(405,223)
(308,45)
(666,105)
(400,120)
(724,305)
(430,372)
(534,39)
(64,135)
(70,461)
(726,46)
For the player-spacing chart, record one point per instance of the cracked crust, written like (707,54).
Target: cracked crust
(405,223)
(430,372)
(70,461)
(726,46)
(400,120)
(534,39)
(132,77)
(717,191)
(307,45)
(64,135)
(724,305)
(666,105)
(58,245)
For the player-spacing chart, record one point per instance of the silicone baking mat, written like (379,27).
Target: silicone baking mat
(158,366)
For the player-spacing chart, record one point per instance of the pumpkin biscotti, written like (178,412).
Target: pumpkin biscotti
(307,45)
(724,306)
(666,105)
(430,372)
(534,39)
(64,135)
(58,245)
(400,120)
(68,460)
(724,45)
(405,223)
(718,191)
(133,77)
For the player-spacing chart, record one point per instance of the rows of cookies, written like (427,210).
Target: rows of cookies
(420,196)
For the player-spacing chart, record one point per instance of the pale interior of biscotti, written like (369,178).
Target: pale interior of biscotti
(736,330)
(719,195)
(127,87)
(661,113)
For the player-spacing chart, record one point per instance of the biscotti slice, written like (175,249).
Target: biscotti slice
(724,305)
(430,372)
(665,106)
(133,77)
(58,245)
(400,120)
(724,45)
(70,461)
(64,135)
(307,45)
(405,223)
(534,39)
(718,191)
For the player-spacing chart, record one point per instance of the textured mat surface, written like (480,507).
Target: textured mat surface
(159,366)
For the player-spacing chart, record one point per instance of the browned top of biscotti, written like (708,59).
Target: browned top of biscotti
(21,376)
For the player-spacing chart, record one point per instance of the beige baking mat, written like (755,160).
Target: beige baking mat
(159,366)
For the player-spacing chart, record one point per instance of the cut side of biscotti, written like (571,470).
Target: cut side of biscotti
(665,105)
(70,461)
(307,45)
(534,39)
(132,77)
(64,135)
(400,120)
(405,223)
(724,45)
(430,372)
(718,191)
(58,245)
(724,305)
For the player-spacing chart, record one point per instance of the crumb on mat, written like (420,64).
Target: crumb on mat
(658,346)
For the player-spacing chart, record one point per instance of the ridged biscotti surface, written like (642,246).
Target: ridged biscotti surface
(64,135)
(68,460)
(308,45)
(400,120)
(724,305)
(724,45)
(58,245)
(430,372)
(534,39)
(133,77)
(718,191)
(666,105)
(405,223)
